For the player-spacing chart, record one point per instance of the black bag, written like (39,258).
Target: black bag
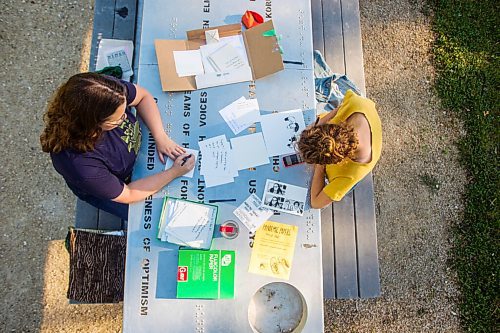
(97,265)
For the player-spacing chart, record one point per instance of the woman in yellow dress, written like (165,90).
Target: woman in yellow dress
(344,145)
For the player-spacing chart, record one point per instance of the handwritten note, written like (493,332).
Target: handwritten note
(217,163)
(241,114)
(226,58)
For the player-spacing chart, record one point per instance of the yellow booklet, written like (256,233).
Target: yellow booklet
(273,249)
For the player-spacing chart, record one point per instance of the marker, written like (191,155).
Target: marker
(293,62)
(184,159)
(221,200)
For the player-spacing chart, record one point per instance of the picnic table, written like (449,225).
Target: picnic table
(346,257)
(189,117)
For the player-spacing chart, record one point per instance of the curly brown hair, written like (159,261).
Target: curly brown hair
(77,109)
(328,143)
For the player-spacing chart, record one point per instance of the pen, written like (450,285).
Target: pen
(184,159)
(292,62)
(221,200)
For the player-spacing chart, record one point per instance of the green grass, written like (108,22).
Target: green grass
(467,60)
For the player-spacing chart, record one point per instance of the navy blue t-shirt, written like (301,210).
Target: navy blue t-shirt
(103,171)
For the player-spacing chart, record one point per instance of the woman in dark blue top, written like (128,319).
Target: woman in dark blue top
(93,140)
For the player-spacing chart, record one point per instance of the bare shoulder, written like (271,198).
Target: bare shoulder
(362,128)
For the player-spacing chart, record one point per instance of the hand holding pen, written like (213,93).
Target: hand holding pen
(184,163)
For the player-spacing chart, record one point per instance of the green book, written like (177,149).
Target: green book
(205,274)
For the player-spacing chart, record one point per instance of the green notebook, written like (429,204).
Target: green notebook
(205,274)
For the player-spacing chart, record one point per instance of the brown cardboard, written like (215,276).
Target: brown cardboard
(263,54)
(166,64)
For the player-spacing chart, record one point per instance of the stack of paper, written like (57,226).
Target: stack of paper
(227,54)
(217,164)
(241,114)
(187,223)
(188,63)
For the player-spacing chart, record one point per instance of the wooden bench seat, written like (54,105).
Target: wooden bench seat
(348,227)
(114,19)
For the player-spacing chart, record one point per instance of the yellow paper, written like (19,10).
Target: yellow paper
(273,249)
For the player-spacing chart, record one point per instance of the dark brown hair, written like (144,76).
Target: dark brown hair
(77,109)
(328,143)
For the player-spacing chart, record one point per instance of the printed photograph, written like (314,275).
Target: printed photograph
(276,188)
(272,201)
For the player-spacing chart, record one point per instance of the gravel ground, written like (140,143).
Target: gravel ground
(418,181)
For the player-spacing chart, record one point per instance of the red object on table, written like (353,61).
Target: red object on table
(226,228)
(251,19)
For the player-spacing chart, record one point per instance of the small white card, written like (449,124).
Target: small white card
(249,151)
(251,214)
(241,114)
(190,174)
(284,197)
(188,63)
(212,36)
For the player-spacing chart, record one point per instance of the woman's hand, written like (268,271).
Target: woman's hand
(167,146)
(183,164)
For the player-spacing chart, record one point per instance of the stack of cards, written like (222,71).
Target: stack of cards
(217,162)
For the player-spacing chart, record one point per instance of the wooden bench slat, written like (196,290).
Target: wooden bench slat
(109,221)
(328,252)
(86,215)
(353,49)
(366,230)
(317,25)
(124,27)
(333,36)
(346,275)
(104,16)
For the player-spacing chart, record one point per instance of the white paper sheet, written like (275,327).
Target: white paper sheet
(170,162)
(217,163)
(241,114)
(249,151)
(282,130)
(284,197)
(188,63)
(110,47)
(226,58)
(235,41)
(251,214)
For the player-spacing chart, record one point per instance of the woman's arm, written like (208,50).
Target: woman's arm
(144,187)
(318,198)
(148,111)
